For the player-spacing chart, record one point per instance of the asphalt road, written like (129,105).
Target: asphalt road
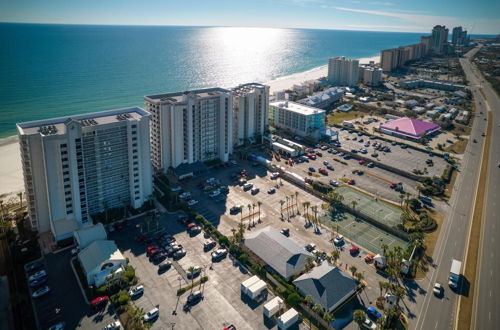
(440,313)
(487,298)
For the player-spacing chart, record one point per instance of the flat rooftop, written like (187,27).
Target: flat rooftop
(57,126)
(180,97)
(246,88)
(297,107)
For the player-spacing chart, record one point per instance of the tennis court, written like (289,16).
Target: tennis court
(361,232)
(375,209)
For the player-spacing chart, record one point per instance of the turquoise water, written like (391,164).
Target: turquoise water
(55,70)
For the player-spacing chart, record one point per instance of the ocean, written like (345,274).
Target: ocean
(56,70)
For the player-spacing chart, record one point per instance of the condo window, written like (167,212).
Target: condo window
(66,180)
(64,145)
(68,199)
(65,166)
(67,193)
(134,157)
(69,205)
(137,198)
(134,126)
(136,174)
(134,139)
(64,152)
(78,140)
(136,186)
(67,186)
(64,159)
(134,132)
(65,172)
(136,180)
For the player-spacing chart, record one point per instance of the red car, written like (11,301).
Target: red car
(99,302)
(354,249)
(393,185)
(151,248)
(369,257)
(323,171)
(362,161)
(351,181)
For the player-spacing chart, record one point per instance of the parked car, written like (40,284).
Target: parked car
(271,191)
(179,254)
(75,251)
(285,231)
(354,249)
(99,302)
(234,210)
(325,162)
(369,324)
(151,315)
(310,247)
(371,165)
(247,186)
(369,257)
(312,169)
(330,167)
(254,191)
(41,292)
(334,183)
(362,162)
(164,265)
(184,195)
(195,272)
(115,325)
(37,275)
(219,254)
(214,193)
(373,313)
(194,297)
(137,291)
(34,267)
(192,202)
(176,189)
(323,171)
(209,244)
(338,240)
(38,283)
(351,181)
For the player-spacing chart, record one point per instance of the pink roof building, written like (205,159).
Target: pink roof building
(409,128)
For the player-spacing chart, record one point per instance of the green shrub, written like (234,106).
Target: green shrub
(223,240)
(293,299)
(243,258)
(203,279)
(181,291)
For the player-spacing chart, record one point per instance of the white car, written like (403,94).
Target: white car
(116,325)
(192,202)
(334,183)
(40,292)
(151,315)
(184,195)
(195,272)
(220,253)
(438,288)
(369,324)
(176,189)
(338,240)
(214,193)
(136,291)
(37,275)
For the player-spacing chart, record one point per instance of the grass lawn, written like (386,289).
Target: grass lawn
(338,117)
(430,243)
(458,147)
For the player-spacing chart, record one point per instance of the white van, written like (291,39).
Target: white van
(247,186)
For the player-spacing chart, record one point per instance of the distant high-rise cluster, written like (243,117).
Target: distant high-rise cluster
(439,38)
(459,37)
(343,71)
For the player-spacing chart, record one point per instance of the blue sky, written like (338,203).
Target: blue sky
(478,16)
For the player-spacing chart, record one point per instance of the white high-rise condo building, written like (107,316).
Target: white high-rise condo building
(439,38)
(77,166)
(343,71)
(370,75)
(250,112)
(297,118)
(189,127)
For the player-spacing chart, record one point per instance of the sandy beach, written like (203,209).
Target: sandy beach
(10,164)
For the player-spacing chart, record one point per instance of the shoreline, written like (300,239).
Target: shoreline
(10,166)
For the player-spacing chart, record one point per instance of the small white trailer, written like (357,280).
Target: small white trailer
(256,290)
(248,283)
(288,319)
(272,307)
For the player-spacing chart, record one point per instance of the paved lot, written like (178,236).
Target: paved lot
(374,180)
(222,304)
(65,302)
(405,159)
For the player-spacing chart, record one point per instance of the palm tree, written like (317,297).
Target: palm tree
(354,203)
(384,248)
(359,277)
(191,270)
(318,310)
(291,203)
(315,211)
(241,230)
(308,300)
(287,206)
(304,207)
(253,212)
(359,317)
(419,189)
(335,256)
(296,201)
(328,317)
(353,270)
(249,213)
(259,203)
(281,205)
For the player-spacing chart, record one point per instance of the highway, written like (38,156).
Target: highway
(440,313)
(487,298)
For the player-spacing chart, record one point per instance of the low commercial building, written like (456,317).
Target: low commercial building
(463,118)
(101,261)
(297,118)
(324,99)
(408,128)
(282,255)
(284,150)
(85,236)
(428,83)
(328,286)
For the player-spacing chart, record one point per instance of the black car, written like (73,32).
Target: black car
(163,266)
(39,282)
(34,267)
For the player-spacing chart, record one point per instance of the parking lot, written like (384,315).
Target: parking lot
(65,302)
(406,159)
(222,304)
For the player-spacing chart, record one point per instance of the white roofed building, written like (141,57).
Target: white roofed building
(100,260)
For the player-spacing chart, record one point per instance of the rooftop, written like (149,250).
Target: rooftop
(296,107)
(181,97)
(58,125)
(410,127)
(278,251)
(98,252)
(246,88)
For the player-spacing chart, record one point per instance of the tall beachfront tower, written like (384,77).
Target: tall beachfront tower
(77,166)
(189,127)
(439,38)
(343,71)
(250,112)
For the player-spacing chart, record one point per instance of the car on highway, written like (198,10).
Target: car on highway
(99,302)
(219,254)
(192,202)
(437,289)
(41,292)
(271,191)
(194,272)
(151,315)
(37,275)
(137,291)
(371,165)
(373,313)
